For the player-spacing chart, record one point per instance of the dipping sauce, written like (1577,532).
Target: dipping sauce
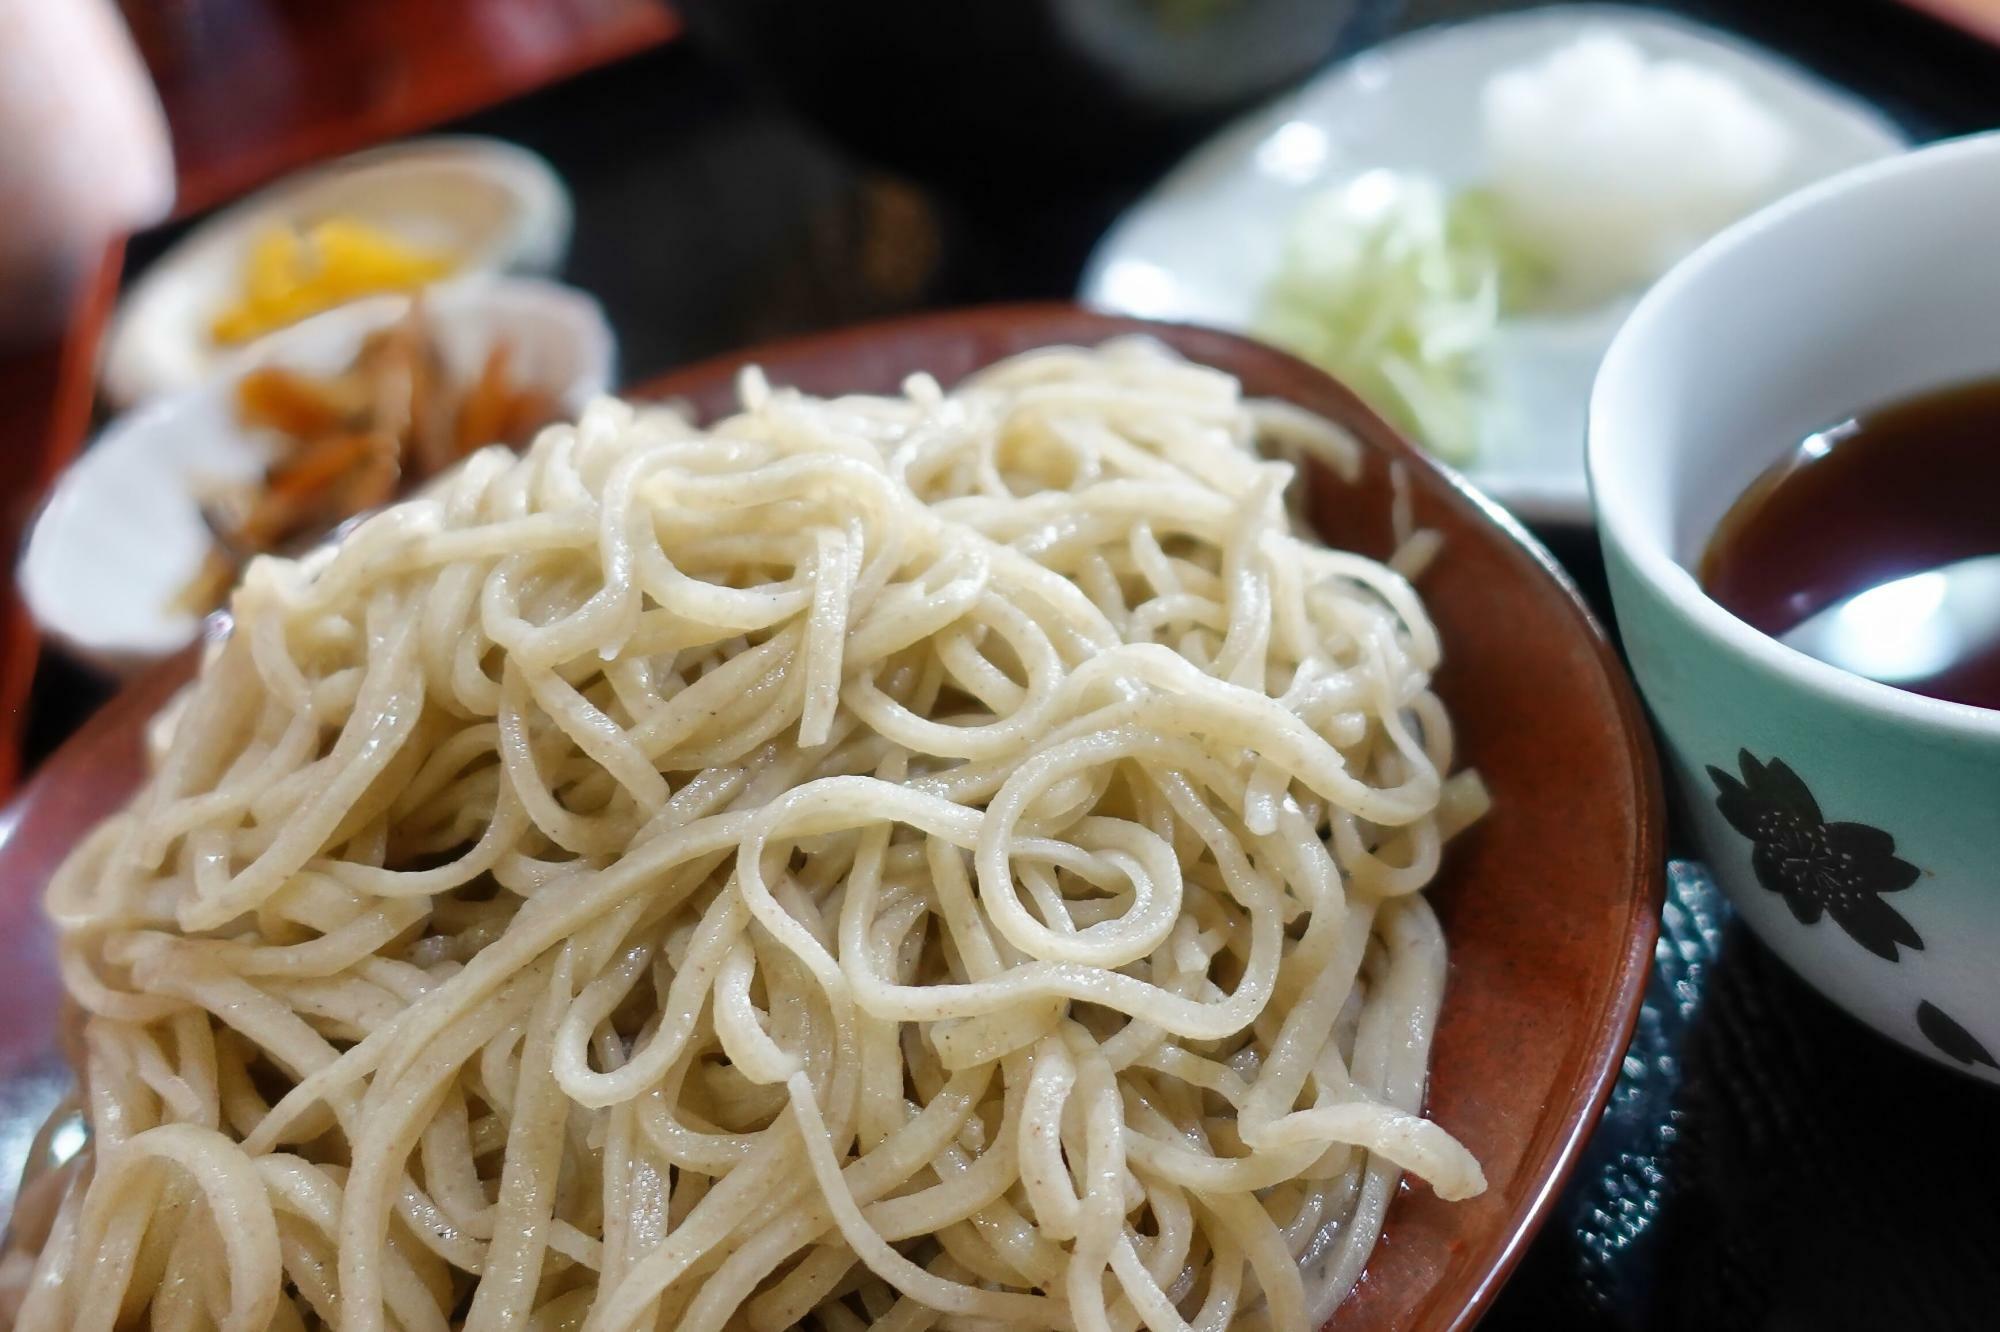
(1898,490)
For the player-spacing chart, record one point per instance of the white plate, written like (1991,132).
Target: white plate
(122,533)
(1200,246)
(499,206)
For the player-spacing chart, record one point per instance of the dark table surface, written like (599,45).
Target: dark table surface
(1766,1163)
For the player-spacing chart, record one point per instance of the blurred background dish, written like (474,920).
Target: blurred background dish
(111,560)
(1204,243)
(383,220)
(1060,91)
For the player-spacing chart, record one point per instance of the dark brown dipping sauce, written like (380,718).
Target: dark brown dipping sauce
(1895,491)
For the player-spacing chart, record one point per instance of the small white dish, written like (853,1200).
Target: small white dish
(499,206)
(122,534)
(1201,245)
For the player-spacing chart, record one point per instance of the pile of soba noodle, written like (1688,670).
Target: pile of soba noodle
(937,861)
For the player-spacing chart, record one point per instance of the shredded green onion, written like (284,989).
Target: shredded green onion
(1396,288)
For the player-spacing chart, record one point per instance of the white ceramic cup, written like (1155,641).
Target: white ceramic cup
(1856,827)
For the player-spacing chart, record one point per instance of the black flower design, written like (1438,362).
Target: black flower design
(1841,869)
(1941,1030)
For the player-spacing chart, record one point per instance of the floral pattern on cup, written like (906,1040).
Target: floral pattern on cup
(1837,869)
(1943,1031)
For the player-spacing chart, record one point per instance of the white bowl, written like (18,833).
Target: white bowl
(122,535)
(1855,826)
(1202,244)
(500,207)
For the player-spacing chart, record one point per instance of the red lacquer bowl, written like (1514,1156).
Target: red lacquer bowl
(1550,905)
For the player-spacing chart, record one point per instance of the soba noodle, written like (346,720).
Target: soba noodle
(939,861)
